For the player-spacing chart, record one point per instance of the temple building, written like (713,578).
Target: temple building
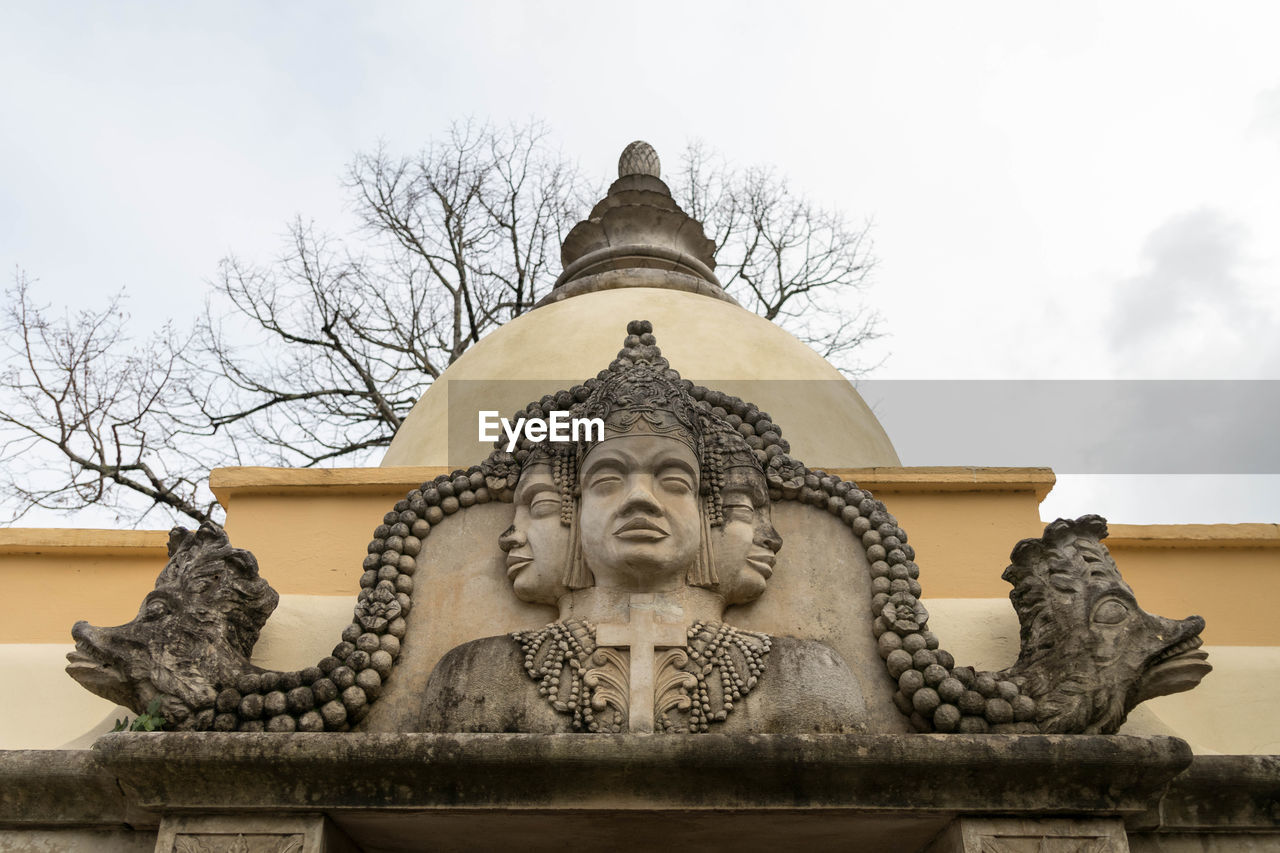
(733,618)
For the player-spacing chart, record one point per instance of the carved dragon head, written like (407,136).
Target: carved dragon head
(194,631)
(1089,654)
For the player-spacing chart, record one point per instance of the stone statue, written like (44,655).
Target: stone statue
(641,539)
(1089,652)
(663,523)
(194,632)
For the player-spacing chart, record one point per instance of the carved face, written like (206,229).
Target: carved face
(536,543)
(745,546)
(194,631)
(1089,652)
(1139,655)
(640,525)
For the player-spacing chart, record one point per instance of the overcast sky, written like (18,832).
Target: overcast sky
(1076,191)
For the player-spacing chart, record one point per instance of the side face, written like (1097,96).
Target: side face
(746,545)
(536,544)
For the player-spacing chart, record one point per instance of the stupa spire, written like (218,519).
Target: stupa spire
(637,236)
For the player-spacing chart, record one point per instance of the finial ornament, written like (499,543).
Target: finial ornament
(637,236)
(639,158)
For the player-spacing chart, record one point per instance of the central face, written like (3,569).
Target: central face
(640,526)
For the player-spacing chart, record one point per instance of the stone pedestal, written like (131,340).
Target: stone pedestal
(337,793)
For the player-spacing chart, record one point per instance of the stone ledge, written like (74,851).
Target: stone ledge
(64,788)
(949,774)
(1221,792)
(84,543)
(228,482)
(1194,536)
(479,791)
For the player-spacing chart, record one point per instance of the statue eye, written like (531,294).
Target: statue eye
(675,480)
(604,481)
(1111,612)
(738,507)
(156,608)
(544,505)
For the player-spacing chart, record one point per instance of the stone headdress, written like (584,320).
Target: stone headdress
(641,393)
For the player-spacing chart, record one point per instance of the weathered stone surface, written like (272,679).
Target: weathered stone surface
(988,835)
(1220,792)
(1089,652)
(63,788)
(472,691)
(461,792)
(1198,842)
(280,833)
(395,792)
(908,773)
(77,841)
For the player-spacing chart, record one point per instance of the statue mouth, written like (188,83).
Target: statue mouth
(1178,667)
(763,562)
(516,562)
(97,675)
(641,529)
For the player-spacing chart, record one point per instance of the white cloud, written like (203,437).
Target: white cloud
(1196,308)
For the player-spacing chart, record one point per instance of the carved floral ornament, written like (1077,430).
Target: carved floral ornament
(238,843)
(1088,654)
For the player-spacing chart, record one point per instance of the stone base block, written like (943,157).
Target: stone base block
(251,834)
(1010,835)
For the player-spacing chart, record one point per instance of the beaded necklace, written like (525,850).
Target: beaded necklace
(696,687)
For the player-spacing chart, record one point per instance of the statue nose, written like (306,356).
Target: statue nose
(511,538)
(770,538)
(641,497)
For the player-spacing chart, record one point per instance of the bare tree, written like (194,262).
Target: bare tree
(460,238)
(87,419)
(318,356)
(789,260)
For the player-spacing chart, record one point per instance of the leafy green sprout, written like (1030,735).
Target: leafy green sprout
(149,721)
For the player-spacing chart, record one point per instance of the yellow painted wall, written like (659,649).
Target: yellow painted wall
(51,578)
(309,530)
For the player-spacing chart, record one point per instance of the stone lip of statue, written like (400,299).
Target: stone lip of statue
(640,531)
